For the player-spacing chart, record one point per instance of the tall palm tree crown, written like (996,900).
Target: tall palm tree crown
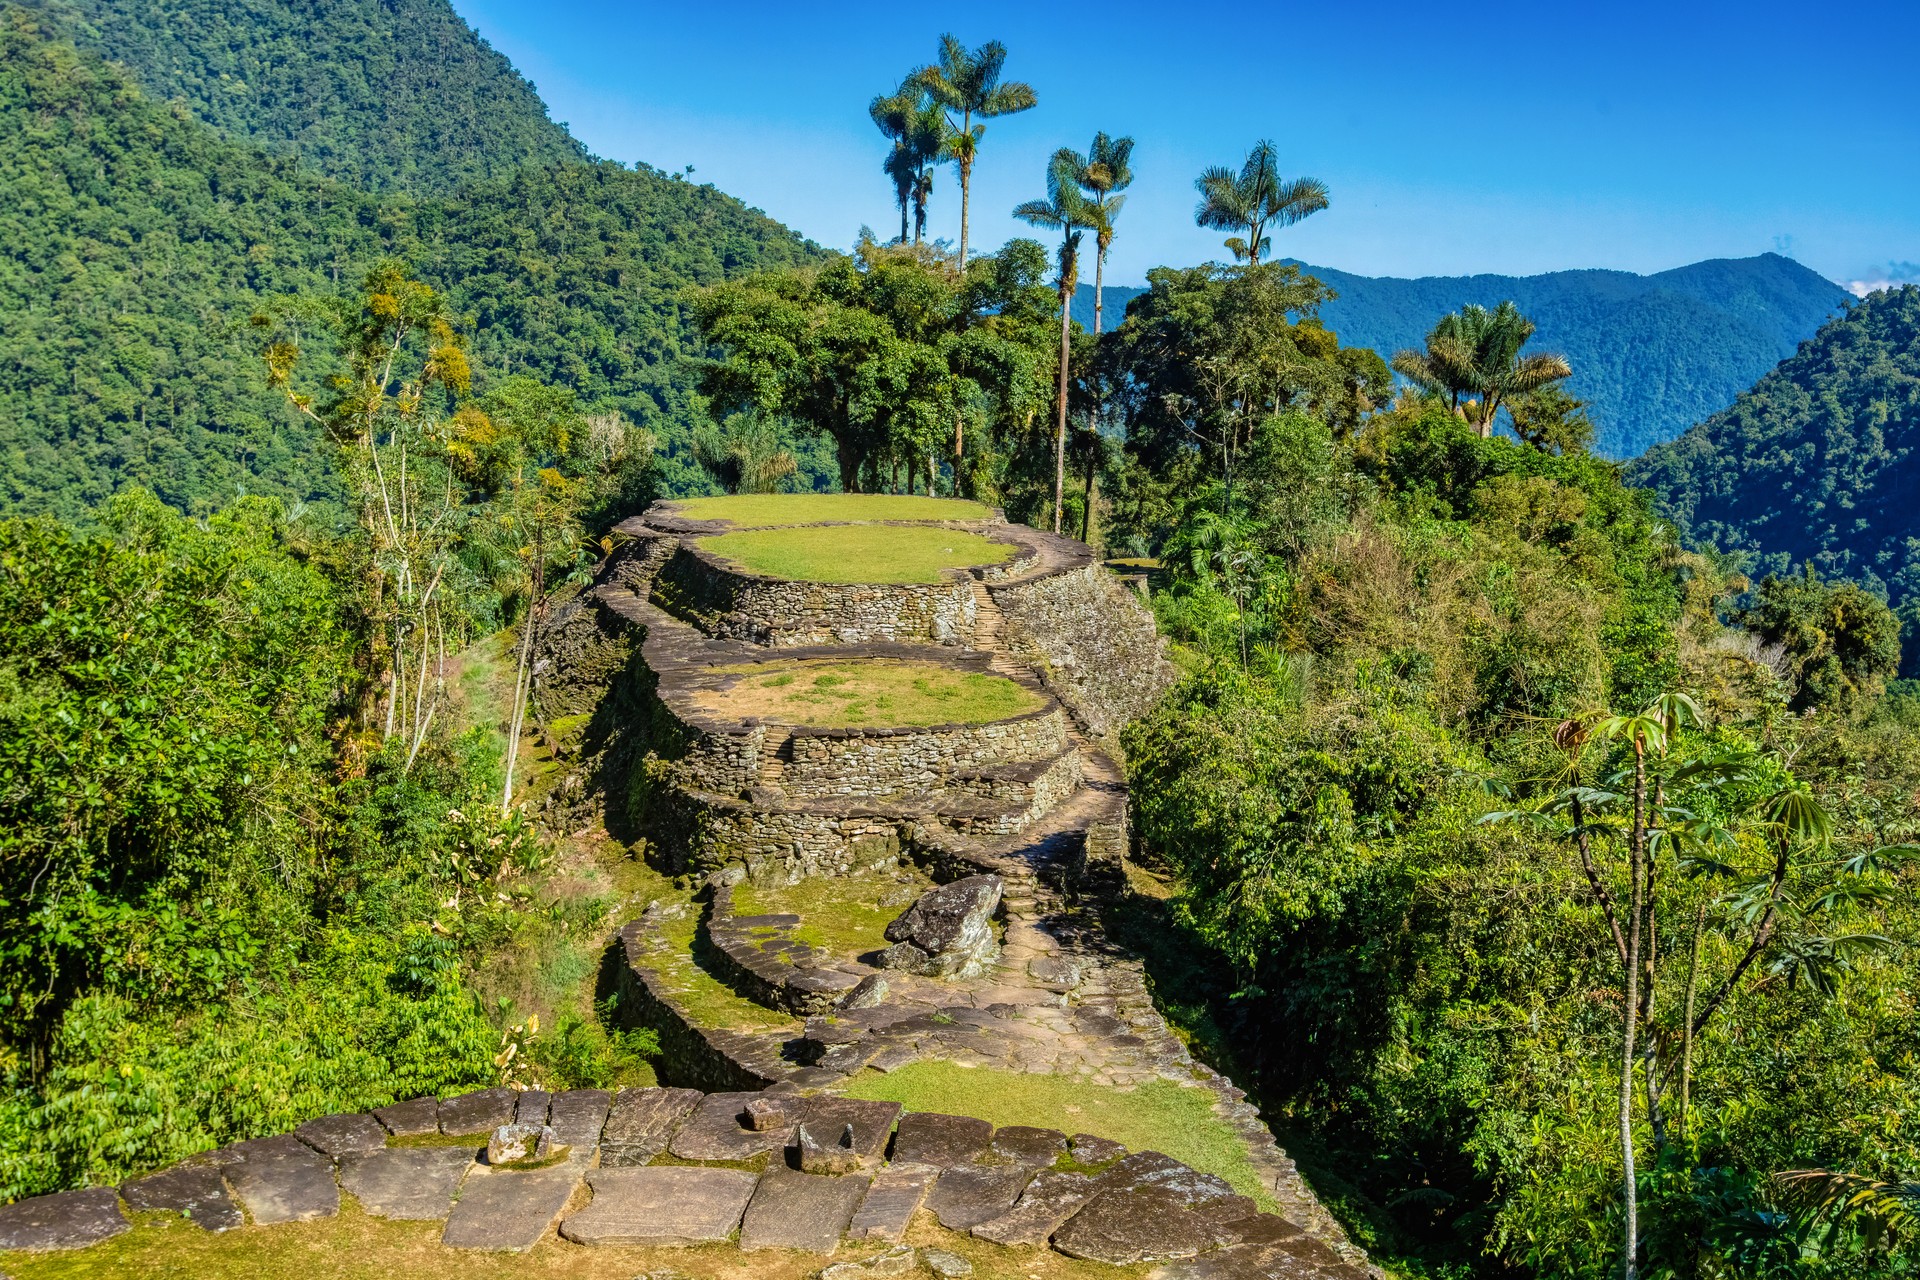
(1255,198)
(1476,352)
(916,126)
(1101,174)
(967,82)
(1066,211)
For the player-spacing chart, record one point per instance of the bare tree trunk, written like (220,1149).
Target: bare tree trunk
(1686,1026)
(1099,270)
(1060,421)
(1630,1013)
(966,185)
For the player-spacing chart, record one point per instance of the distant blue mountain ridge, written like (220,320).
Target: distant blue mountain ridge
(1652,355)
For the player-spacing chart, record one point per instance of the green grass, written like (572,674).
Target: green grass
(840,914)
(862,553)
(750,511)
(1176,1120)
(870,692)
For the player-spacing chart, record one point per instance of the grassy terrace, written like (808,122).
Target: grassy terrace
(751,511)
(862,553)
(1176,1120)
(867,693)
(846,915)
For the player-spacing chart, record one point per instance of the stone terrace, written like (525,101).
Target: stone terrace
(674,1167)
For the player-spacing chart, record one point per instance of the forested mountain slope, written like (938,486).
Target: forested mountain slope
(138,243)
(1652,354)
(1820,462)
(387,94)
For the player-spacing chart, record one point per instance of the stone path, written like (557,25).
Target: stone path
(1018,1187)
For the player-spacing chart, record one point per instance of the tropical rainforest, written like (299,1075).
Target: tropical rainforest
(1817,464)
(1546,870)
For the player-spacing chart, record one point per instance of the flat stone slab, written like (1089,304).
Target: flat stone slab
(640,1123)
(892,1200)
(802,1211)
(670,1205)
(343,1135)
(65,1220)
(577,1116)
(415,1184)
(716,1130)
(966,1196)
(531,1106)
(1305,1259)
(827,1118)
(1088,1149)
(508,1210)
(280,1180)
(412,1119)
(196,1190)
(482,1111)
(1023,1144)
(1049,1200)
(928,1137)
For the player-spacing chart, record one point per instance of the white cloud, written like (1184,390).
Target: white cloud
(1891,276)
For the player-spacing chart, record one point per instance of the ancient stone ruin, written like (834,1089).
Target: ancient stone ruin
(977,848)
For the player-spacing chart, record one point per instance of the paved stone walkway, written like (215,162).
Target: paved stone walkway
(1017,1187)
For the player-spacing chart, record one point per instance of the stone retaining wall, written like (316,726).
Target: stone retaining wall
(1092,643)
(735,605)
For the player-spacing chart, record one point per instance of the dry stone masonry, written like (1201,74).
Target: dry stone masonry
(853,1196)
(1020,825)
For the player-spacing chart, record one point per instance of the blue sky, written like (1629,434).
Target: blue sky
(1480,137)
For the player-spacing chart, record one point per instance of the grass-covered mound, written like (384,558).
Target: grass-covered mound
(879,553)
(870,693)
(759,510)
(846,915)
(1175,1120)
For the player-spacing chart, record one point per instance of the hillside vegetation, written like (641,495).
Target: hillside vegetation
(1651,355)
(390,95)
(1819,463)
(140,243)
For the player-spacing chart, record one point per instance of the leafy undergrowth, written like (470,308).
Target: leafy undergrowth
(357,1246)
(844,915)
(856,552)
(1176,1120)
(754,510)
(868,692)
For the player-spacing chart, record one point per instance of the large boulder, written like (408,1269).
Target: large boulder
(948,933)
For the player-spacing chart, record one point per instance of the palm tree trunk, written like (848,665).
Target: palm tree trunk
(1060,420)
(1099,269)
(1686,1025)
(966,188)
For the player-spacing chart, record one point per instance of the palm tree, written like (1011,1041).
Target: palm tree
(1064,210)
(1253,198)
(1100,175)
(893,114)
(1476,352)
(968,82)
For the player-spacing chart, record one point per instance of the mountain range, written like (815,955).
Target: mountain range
(1652,355)
(172,164)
